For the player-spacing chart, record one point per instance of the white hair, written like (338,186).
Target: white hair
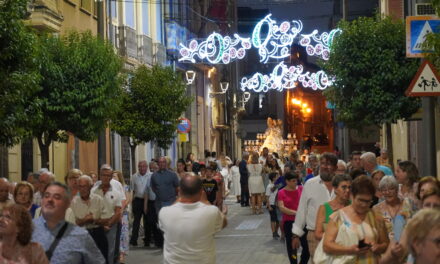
(388,182)
(86,177)
(341,162)
(369,157)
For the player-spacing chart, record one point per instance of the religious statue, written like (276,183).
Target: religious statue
(274,138)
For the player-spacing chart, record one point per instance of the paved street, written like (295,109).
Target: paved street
(246,239)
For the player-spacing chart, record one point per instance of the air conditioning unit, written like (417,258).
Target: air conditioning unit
(425,9)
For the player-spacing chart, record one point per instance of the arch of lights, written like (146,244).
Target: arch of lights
(275,44)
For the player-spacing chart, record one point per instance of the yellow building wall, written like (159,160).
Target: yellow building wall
(78,15)
(14,163)
(399,134)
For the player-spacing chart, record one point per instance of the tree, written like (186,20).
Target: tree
(79,88)
(432,42)
(150,107)
(371,73)
(18,72)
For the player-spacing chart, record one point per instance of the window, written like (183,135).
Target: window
(87,5)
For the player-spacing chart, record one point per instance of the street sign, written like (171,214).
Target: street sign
(425,82)
(184,126)
(417,27)
(183,137)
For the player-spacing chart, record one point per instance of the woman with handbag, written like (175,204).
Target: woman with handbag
(355,234)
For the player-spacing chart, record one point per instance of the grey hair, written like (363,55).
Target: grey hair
(59,184)
(86,177)
(369,157)
(342,163)
(106,167)
(338,178)
(388,182)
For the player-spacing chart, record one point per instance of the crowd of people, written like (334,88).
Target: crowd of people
(357,211)
(329,210)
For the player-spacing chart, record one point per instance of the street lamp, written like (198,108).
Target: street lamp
(224,88)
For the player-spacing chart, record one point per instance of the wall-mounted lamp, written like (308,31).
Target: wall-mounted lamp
(190,76)
(224,88)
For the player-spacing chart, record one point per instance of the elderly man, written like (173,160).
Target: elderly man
(150,209)
(63,242)
(316,192)
(4,193)
(45,178)
(112,202)
(164,184)
(138,183)
(189,225)
(88,209)
(369,163)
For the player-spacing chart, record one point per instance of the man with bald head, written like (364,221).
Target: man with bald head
(4,193)
(189,225)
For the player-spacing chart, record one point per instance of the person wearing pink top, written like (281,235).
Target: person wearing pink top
(288,201)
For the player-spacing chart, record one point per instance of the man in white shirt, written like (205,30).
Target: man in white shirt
(137,185)
(316,192)
(189,226)
(113,202)
(88,209)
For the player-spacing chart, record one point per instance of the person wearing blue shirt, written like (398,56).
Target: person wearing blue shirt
(75,246)
(369,163)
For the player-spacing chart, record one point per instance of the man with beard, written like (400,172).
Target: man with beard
(316,192)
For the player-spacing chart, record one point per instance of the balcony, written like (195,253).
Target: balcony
(46,16)
(145,49)
(160,54)
(128,42)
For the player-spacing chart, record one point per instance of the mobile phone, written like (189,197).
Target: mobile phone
(362,244)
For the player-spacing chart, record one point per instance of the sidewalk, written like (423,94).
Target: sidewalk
(246,239)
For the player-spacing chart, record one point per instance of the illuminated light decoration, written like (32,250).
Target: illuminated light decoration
(216,49)
(283,77)
(274,44)
(278,39)
(323,43)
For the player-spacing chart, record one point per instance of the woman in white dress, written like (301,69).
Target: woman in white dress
(256,186)
(235,180)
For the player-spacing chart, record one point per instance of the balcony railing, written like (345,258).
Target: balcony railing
(145,49)
(128,42)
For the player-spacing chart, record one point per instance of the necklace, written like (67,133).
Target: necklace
(393,213)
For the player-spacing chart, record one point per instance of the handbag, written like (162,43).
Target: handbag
(345,237)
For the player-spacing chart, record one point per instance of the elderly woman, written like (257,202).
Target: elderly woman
(364,231)
(395,210)
(24,195)
(15,238)
(423,239)
(427,184)
(71,180)
(407,176)
(342,185)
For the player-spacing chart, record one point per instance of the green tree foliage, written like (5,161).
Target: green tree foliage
(80,87)
(18,72)
(151,106)
(433,41)
(371,72)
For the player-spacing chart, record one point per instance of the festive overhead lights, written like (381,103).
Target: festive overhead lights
(323,43)
(283,77)
(216,49)
(275,43)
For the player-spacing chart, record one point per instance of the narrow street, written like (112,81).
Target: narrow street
(246,239)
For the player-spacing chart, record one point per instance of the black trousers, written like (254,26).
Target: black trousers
(151,228)
(292,253)
(138,213)
(98,235)
(244,193)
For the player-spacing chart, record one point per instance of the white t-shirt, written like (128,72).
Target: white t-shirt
(272,194)
(189,231)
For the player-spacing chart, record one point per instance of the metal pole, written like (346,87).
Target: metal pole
(428,139)
(101,135)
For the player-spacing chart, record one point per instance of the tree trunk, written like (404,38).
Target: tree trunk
(133,157)
(44,150)
(390,145)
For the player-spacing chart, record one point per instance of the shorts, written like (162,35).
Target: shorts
(273,214)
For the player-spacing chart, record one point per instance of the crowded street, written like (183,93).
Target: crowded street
(219,131)
(246,239)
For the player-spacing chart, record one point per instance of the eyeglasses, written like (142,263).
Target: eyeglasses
(364,201)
